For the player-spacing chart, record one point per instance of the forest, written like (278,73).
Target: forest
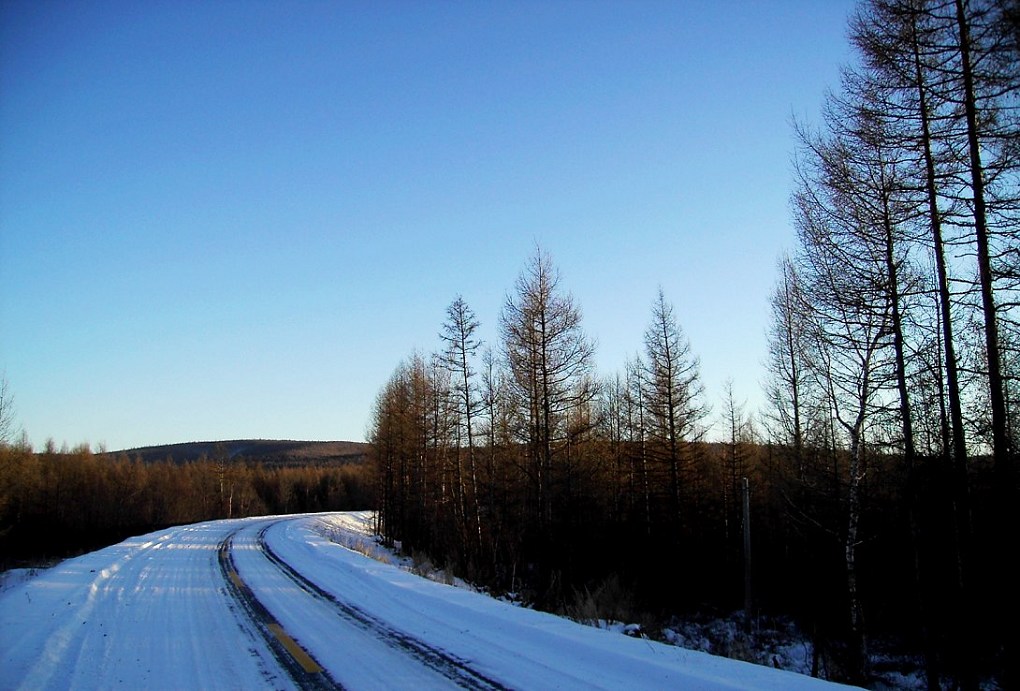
(878,486)
(62,502)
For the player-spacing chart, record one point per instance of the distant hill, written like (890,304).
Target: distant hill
(265,451)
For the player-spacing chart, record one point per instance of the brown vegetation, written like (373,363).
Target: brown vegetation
(57,503)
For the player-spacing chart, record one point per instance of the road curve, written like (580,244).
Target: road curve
(206,605)
(274,603)
(304,670)
(355,648)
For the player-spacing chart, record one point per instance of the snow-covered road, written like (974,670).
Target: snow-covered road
(273,603)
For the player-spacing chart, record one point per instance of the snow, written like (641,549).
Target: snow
(13,577)
(158,611)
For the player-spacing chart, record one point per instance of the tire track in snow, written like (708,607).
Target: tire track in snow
(302,668)
(69,635)
(457,670)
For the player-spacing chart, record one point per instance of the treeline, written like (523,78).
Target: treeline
(57,503)
(883,474)
(523,471)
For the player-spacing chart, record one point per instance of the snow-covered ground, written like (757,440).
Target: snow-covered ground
(280,603)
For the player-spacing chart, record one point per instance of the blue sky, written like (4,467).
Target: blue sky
(227,220)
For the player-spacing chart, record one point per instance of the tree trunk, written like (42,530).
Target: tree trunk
(857,658)
(1000,439)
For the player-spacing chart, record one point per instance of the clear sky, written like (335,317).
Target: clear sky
(227,220)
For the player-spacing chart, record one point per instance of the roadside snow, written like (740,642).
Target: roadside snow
(775,643)
(547,651)
(15,577)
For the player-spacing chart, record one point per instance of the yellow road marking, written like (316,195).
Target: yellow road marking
(296,651)
(292,647)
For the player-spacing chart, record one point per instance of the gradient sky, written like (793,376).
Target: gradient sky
(226,220)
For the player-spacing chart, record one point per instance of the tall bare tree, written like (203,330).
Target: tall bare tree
(736,458)
(851,259)
(788,382)
(550,360)
(462,345)
(947,73)
(637,436)
(674,395)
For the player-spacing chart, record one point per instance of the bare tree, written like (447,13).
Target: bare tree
(637,436)
(788,382)
(736,457)
(674,394)
(7,414)
(982,101)
(550,360)
(461,347)
(947,73)
(847,216)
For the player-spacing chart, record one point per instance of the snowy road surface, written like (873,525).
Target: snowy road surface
(272,603)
